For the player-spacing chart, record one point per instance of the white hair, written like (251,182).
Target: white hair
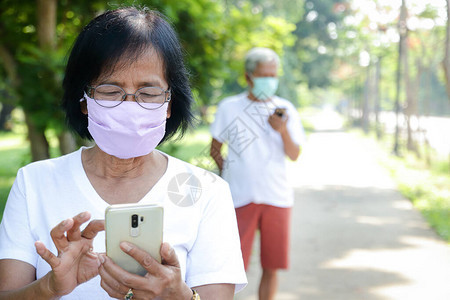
(259,55)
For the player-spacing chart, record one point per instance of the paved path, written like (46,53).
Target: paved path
(353,235)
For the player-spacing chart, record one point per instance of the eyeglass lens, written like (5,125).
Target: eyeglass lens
(114,93)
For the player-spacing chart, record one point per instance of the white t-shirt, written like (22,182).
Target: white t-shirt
(255,166)
(199,219)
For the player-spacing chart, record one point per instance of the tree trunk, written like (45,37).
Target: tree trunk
(446,62)
(46,10)
(411,109)
(401,48)
(410,95)
(365,122)
(426,105)
(47,34)
(46,16)
(47,42)
(376,98)
(5,115)
(10,65)
(38,142)
(67,142)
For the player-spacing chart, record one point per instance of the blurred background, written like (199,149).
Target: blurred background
(382,67)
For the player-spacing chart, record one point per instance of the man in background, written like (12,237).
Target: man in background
(260,130)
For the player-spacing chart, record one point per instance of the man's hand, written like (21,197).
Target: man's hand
(279,123)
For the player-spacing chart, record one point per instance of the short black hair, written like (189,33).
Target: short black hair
(125,34)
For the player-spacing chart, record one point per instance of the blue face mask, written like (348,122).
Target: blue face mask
(264,87)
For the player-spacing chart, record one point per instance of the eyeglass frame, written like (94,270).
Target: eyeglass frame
(166,98)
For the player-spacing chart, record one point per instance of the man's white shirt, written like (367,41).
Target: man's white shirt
(255,166)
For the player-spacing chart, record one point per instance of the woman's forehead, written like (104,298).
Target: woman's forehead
(146,64)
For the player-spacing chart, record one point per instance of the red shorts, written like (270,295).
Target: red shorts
(274,224)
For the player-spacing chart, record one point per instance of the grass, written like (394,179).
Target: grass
(426,185)
(428,190)
(14,153)
(193,148)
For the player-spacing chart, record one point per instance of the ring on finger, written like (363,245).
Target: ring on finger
(129,295)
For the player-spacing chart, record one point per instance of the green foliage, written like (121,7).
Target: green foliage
(192,148)
(317,39)
(40,72)
(428,192)
(214,34)
(376,36)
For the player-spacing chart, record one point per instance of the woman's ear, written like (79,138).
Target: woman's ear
(83,106)
(169,110)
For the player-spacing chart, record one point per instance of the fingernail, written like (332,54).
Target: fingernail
(168,249)
(83,214)
(102,259)
(64,223)
(126,246)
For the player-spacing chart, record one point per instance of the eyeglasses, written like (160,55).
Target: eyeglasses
(110,95)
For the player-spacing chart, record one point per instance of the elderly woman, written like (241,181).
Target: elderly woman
(126,88)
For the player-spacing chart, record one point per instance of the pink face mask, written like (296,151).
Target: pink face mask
(127,130)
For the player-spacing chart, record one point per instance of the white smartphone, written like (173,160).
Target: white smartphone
(140,224)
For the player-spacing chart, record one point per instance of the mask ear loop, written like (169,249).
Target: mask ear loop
(83,106)
(84,97)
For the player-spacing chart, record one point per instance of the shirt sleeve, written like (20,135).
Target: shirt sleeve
(16,237)
(295,127)
(218,125)
(216,254)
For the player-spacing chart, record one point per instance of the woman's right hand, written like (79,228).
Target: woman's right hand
(76,262)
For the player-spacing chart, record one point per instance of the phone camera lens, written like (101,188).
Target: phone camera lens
(134,221)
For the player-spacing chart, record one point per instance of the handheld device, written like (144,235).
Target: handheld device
(279,111)
(140,224)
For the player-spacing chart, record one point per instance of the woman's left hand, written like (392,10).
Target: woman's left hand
(162,281)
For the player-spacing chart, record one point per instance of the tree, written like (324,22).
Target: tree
(401,53)
(34,40)
(317,36)
(446,62)
(36,36)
